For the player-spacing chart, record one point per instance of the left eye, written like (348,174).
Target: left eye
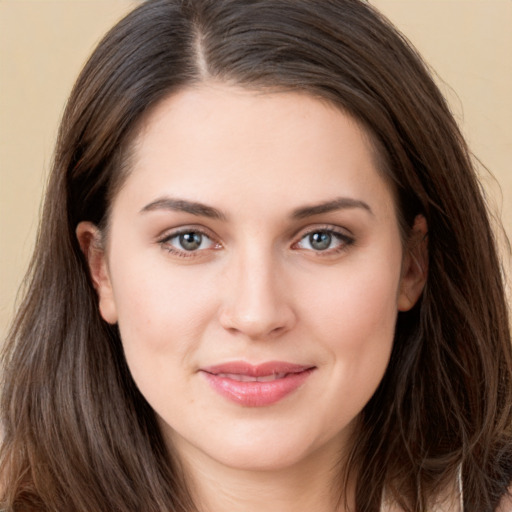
(323,240)
(189,241)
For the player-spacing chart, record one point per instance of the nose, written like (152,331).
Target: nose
(256,302)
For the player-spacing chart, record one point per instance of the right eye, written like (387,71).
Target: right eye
(187,242)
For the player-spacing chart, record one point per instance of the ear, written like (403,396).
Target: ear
(90,240)
(414,266)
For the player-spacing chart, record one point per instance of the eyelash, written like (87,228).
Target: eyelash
(344,241)
(183,253)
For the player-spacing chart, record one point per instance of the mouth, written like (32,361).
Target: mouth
(248,378)
(256,385)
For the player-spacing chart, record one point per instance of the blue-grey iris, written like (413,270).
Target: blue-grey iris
(191,241)
(320,241)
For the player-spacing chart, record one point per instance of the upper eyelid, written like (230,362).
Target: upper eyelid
(324,227)
(164,242)
(173,232)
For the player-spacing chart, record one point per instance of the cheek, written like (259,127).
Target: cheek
(359,337)
(354,318)
(162,324)
(359,308)
(162,314)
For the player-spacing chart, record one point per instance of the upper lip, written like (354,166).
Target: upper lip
(256,370)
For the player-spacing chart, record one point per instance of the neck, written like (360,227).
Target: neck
(315,483)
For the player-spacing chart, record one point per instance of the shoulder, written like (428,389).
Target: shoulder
(506,502)
(449,500)
(450,503)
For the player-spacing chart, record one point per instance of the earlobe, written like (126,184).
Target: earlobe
(415,265)
(89,238)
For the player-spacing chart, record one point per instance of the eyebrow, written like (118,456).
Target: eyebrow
(203,210)
(339,203)
(182,205)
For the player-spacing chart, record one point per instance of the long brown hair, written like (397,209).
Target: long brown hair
(78,435)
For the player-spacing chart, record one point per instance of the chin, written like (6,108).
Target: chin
(267,447)
(261,459)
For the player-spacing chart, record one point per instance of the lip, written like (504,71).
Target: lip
(256,385)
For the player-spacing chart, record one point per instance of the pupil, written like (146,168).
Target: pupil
(320,241)
(190,241)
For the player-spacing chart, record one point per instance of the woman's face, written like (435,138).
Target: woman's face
(254,265)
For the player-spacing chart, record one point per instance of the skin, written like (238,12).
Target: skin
(257,289)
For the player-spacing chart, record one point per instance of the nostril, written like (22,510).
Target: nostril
(266,324)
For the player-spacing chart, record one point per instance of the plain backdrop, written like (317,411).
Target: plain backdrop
(44,43)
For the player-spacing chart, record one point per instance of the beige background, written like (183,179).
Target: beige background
(43,44)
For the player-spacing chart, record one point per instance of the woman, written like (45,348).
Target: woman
(264,279)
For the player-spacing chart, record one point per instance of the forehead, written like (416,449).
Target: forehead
(214,140)
(247,114)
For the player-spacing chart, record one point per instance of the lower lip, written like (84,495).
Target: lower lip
(257,394)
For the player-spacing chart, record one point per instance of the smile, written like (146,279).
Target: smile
(256,386)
